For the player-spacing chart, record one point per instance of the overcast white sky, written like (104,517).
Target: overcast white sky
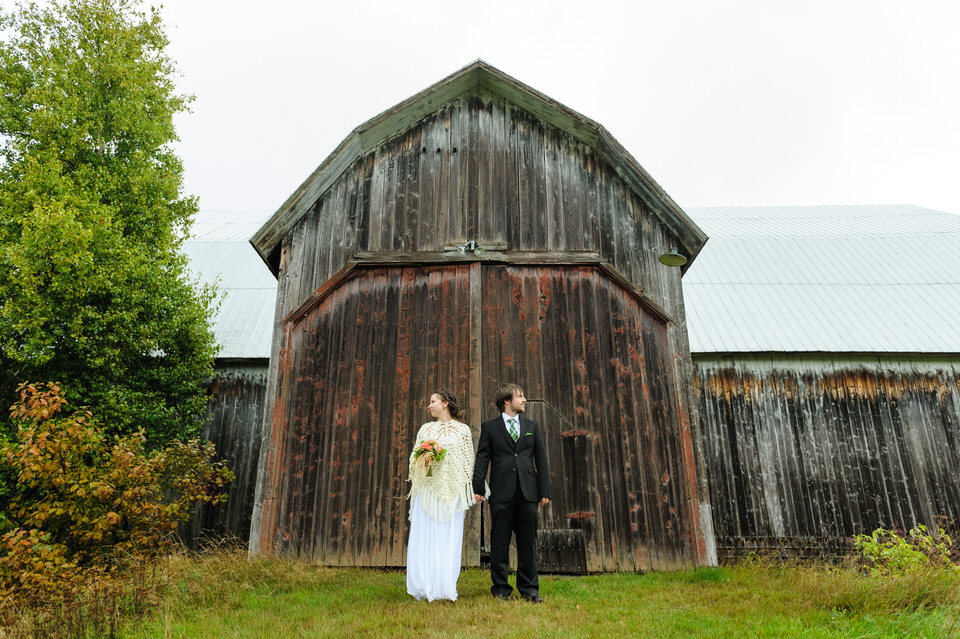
(724,103)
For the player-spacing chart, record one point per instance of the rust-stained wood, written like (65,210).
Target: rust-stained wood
(350,426)
(320,294)
(500,257)
(360,367)
(268,465)
(569,279)
(591,359)
(810,450)
(473,525)
(647,301)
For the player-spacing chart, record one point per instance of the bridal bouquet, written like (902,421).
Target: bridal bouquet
(427,454)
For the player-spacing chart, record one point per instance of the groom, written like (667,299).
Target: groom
(519,481)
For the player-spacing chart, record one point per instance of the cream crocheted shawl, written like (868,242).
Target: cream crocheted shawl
(450,489)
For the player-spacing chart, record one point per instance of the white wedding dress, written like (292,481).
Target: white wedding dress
(433,555)
(438,505)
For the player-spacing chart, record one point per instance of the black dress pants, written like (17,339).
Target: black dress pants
(518,517)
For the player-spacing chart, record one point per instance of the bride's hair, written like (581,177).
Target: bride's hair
(451,400)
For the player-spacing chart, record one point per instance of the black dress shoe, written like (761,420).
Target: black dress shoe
(533,598)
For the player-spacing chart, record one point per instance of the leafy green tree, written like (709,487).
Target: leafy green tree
(94,289)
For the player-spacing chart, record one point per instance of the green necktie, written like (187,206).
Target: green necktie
(513,429)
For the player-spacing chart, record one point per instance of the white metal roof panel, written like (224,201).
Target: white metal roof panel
(244,324)
(825,278)
(819,221)
(227,225)
(219,252)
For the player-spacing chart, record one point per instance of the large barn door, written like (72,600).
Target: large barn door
(596,370)
(355,372)
(354,380)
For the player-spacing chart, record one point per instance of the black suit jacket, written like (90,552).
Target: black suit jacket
(524,462)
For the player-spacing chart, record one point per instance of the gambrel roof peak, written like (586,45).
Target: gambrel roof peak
(470,80)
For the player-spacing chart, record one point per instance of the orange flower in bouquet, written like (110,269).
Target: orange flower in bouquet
(428,454)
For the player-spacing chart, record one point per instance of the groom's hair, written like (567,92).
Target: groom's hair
(505,394)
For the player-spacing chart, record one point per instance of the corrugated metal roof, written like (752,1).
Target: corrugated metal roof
(825,278)
(771,279)
(227,225)
(822,221)
(220,252)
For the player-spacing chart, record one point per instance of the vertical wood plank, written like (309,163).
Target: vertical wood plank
(457,189)
(377,204)
(475,409)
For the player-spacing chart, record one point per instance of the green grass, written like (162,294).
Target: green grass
(222,595)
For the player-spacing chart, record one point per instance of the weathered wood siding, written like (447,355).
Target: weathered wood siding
(359,368)
(596,370)
(354,381)
(234,424)
(479,168)
(806,451)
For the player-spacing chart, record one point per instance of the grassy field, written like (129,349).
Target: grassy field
(222,595)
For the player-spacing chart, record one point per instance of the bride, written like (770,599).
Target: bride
(440,495)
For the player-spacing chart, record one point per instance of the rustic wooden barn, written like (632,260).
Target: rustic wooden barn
(377,308)
(826,409)
(220,253)
(826,342)
(234,424)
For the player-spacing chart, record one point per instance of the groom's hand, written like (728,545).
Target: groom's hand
(477,498)
(544,501)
